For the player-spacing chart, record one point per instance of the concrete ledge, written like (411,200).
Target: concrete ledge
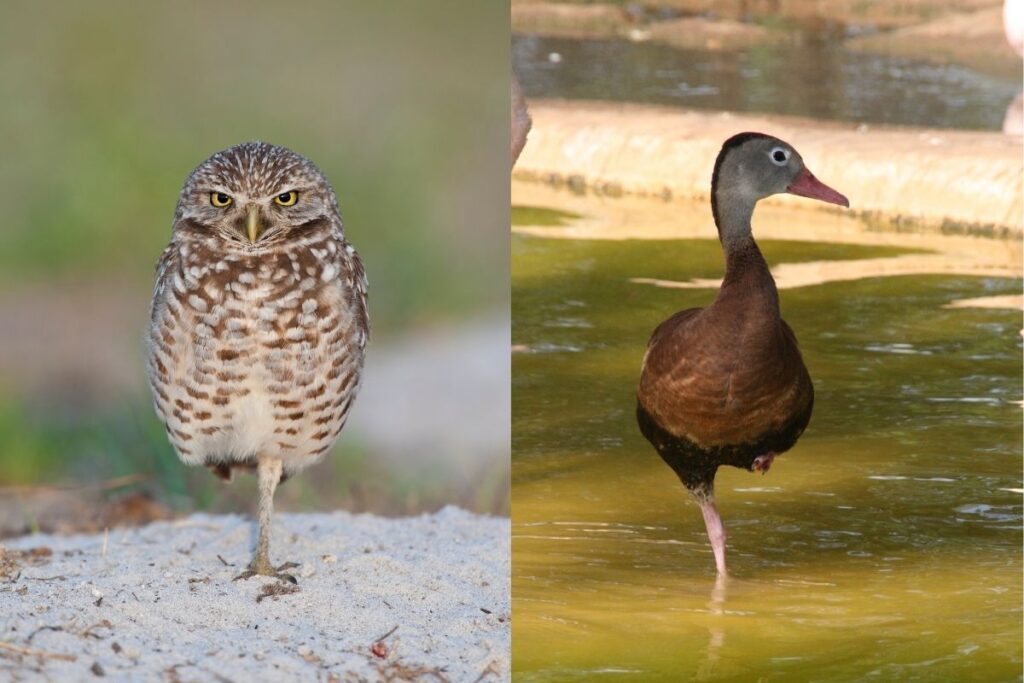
(965,180)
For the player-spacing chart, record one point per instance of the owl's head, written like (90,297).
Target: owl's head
(253,195)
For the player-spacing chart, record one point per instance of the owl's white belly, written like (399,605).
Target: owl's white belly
(253,372)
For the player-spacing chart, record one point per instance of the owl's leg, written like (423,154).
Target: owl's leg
(269,472)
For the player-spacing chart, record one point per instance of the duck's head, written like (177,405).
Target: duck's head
(752,166)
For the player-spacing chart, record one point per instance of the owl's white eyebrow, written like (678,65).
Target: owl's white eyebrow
(222,190)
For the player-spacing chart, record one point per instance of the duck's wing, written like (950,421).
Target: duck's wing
(679,381)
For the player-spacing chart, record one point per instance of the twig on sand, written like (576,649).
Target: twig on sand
(377,640)
(89,632)
(27,651)
(41,629)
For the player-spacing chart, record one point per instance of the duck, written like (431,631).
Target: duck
(727,384)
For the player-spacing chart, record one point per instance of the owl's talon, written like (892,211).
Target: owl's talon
(257,569)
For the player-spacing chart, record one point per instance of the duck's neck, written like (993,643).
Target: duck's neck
(746,271)
(732,211)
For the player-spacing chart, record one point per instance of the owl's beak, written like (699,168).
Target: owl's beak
(252,223)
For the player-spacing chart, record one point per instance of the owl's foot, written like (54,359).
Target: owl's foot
(762,463)
(261,567)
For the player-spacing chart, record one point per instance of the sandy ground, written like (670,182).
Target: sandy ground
(412,599)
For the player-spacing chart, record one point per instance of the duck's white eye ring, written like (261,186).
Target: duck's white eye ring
(779,156)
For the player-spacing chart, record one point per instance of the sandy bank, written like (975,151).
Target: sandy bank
(601,21)
(419,599)
(968,32)
(933,177)
(975,39)
(1005,302)
(570,20)
(845,12)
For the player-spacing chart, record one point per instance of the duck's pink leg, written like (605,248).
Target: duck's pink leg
(763,462)
(716,531)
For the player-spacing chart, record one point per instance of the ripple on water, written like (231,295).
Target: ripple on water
(897,348)
(546,347)
(987,400)
(568,323)
(900,477)
(989,512)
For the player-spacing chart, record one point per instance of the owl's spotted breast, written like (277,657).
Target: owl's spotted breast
(257,354)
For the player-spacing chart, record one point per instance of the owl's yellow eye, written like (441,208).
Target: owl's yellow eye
(220,199)
(287,199)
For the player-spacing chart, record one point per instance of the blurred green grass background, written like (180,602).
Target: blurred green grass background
(108,106)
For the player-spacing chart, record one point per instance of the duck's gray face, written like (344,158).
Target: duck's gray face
(771,166)
(761,166)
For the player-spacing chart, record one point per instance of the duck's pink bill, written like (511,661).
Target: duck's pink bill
(806,185)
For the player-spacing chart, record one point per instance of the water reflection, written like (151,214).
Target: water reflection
(716,631)
(815,78)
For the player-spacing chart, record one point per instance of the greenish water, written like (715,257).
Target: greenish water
(884,546)
(539,215)
(815,77)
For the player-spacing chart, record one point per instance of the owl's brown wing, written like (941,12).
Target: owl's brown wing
(358,286)
(165,265)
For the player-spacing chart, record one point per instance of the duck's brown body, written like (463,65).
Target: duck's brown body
(726,384)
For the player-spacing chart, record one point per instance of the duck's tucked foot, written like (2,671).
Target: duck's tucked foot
(257,568)
(762,463)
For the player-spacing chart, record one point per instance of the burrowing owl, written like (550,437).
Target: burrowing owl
(259,322)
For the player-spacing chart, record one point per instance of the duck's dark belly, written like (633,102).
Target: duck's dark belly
(695,463)
(706,401)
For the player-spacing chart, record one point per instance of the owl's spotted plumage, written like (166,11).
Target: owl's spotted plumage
(259,320)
